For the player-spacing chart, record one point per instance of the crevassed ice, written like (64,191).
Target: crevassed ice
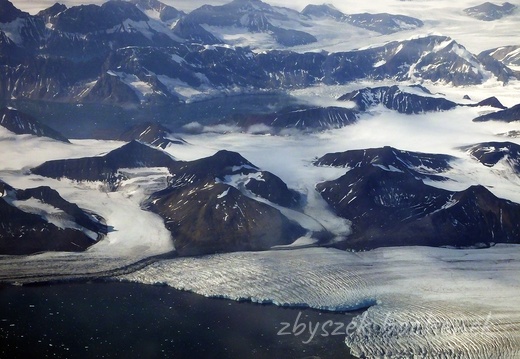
(424,302)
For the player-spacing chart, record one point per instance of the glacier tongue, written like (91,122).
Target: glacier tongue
(283,277)
(424,302)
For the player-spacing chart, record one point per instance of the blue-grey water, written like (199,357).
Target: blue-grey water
(104,121)
(127,320)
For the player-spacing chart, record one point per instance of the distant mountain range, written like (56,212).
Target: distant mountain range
(135,52)
(382,23)
(409,100)
(489,11)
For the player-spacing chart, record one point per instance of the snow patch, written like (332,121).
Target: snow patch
(142,89)
(223,194)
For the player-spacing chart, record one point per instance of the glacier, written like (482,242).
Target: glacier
(422,302)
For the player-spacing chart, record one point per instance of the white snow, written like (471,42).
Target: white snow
(146,28)
(388,169)
(180,87)
(380,63)
(177,59)
(300,242)
(135,233)
(223,194)
(141,88)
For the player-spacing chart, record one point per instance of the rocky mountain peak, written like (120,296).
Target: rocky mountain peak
(492,102)
(403,100)
(85,19)
(324,10)
(52,11)
(21,123)
(166,13)
(9,12)
(489,11)
(151,133)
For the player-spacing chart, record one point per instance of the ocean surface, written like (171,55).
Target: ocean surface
(104,121)
(127,320)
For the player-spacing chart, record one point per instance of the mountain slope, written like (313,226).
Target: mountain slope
(507,115)
(210,206)
(403,100)
(151,133)
(155,8)
(509,55)
(489,11)
(106,167)
(40,220)
(253,15)
(389,205)
(21,123)
(213,217)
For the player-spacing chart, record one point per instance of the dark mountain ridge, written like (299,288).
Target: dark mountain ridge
(151,133)
(392,206)
(106,167)
(409,100)
(489,11)
(420,165)
(115,53)
(21,124)
(220,203)
(506,115)
(491,153)
(28,226)
(302,118)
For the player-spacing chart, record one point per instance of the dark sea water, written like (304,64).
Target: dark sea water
(126,320)
(103,121)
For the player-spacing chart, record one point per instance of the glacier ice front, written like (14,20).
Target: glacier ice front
(423,302)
